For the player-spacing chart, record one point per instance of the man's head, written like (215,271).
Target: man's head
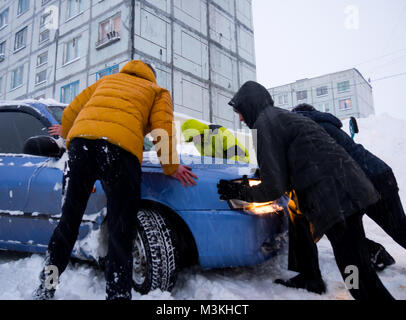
(249,102)
(303,107)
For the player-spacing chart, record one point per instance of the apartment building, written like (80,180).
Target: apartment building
(345,94)
(203,50)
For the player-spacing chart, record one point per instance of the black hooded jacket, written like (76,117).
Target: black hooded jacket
(293,153)
(376,170)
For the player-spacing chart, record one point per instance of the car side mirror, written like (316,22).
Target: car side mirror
(353,127)
(43,146)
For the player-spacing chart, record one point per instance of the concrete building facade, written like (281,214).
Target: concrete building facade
(344,94)
(203,50)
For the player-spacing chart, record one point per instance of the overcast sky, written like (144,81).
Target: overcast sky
(296,39)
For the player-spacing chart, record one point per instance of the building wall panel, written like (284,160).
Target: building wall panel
(222,29)
(224,69)
(193,13)
(190,52)
(227,5)
(244,12)
(246,48)
(153,34)
(191,96)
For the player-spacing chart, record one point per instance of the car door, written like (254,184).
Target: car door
(16,169)
(31,186)
(16,174)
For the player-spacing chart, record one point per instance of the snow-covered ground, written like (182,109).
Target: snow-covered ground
(383,135)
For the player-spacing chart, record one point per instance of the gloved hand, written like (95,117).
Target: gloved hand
(230,190)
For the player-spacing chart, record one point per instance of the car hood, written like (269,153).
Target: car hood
(203,196)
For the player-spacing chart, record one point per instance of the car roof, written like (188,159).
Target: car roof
(40,106)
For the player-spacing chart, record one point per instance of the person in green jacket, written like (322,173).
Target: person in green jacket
(214,141)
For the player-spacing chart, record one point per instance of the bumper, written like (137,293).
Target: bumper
(232,238)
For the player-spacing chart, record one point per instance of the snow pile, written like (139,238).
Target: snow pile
(382,135)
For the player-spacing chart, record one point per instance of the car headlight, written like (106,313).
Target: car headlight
(256,208)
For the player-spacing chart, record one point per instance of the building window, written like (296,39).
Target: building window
(20,39)
(74,8)
(41,77)
(71,50)
(324,107)
(44,36)
(109,31)
(45,2)
(16,77)
(2,51)
(4,18)
(343,86)
(107,71)
(69,92)
(322,91)
(301,95)
(23,6)
(283,99)
(42,59)
(345,104)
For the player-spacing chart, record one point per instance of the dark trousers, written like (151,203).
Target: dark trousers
(120,174)
(388,213)
(350,249)
(303,256)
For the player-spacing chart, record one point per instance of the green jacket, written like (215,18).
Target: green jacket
(214,141)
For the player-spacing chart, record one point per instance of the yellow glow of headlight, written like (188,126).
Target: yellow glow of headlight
(264,208)
(257,208)
(254,182)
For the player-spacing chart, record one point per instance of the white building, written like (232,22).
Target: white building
(203,50)
(344,94)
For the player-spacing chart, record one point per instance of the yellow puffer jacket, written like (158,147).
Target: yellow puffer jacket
(122,108)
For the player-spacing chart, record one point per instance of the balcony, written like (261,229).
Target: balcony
(111,37)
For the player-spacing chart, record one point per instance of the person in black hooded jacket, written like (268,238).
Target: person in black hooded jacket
(388,212)
(294,154)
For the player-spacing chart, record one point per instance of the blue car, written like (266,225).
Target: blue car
(177,226)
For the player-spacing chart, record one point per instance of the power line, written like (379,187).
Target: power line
(380,57)
(331,87)
(391,76)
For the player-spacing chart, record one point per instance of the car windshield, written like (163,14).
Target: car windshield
(56,112)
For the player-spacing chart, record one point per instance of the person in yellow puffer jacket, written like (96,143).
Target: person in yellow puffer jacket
(214,141)
(104,128)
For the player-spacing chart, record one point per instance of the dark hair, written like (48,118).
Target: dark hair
(152,68)
(303,107)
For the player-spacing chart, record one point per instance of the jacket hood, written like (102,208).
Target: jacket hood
(192,128)
(250,101)
(318,117)
(139,69)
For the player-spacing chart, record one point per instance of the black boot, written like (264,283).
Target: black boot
(380,258)
(301,282)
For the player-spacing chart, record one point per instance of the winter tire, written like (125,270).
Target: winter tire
(154,254)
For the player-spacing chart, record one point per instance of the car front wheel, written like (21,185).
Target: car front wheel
(154,253)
